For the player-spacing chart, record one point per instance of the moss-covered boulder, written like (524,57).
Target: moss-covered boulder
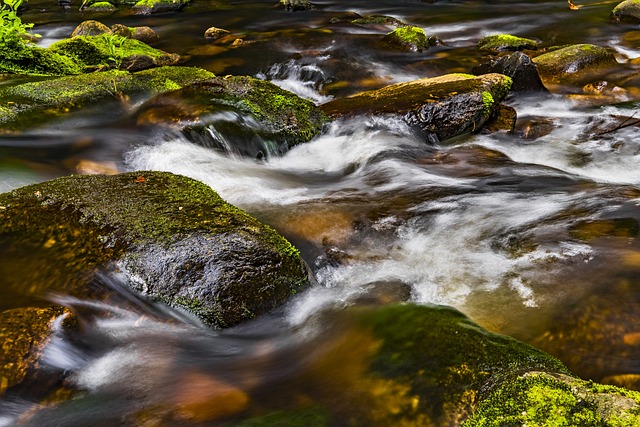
(251,117)
(102,7)
(627,11)
(148,7)
(543,399)
(20,57)
(409,38)
(112,51)
(90,28)
(177,239)
(502,42)
(30,104)
(143,34)
(440,107)
(574,64)
(24,332)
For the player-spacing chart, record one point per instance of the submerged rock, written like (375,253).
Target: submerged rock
(520,68)
(440,107)
(574,64)
(179,241)
(627,11)
(502,42)
(245,115)
(30,104)
(24,332)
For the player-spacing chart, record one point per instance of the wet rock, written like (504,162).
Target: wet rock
(143,34)
(216,33)
(90,28)
(593,229)
(627,11)
(176,238)
(533,128)
(24,332)
(33,103)
(296,5)
(520,68)
(504,120)
(502,42)
(440,107)
(574,64)
(408,38)
(100,7)
(379,21)
(113,51)
(148,7)
(248,116)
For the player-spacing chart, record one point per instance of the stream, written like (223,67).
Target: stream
(533,238)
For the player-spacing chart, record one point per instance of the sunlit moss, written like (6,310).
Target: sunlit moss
(412,38)
(506,42)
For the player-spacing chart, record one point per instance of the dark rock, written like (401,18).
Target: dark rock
(178,240)
(520,68)
(251,117)
(504,119)
(627,11)
(535,127)
(440,107)
(378,21)
(574,64)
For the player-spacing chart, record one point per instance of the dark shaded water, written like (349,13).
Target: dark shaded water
(533,238)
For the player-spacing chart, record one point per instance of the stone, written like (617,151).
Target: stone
(440,107)
(627,11)
(215,33)
(90,28)
(100,7)
(252,117)
(574,64)
(503,42)
(520,68)
(504,119)
(148,7)
(175,238)
(408,38)
(296,5)
(143,34)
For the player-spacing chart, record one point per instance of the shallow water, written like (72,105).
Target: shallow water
(528,237)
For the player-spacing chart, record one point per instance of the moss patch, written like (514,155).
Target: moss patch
(411,38)
(501,42)
(574,64)
(19,57)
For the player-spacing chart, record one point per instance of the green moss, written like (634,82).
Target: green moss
(18,57)
(540,399)
(106,50)
(446,358)
(501,42)
(413,38)
(488,101)
(101,6)
(574,64)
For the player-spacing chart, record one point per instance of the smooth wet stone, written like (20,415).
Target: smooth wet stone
(296,5)
(533,128)
(440,107)
(241,114)
(24,333)
(378,21)
(522,70)
(179,242)
(504,120)
(148,7)
(574,64)
(505,42)
(90,28)
(216,33)
(143,34)
(627,11)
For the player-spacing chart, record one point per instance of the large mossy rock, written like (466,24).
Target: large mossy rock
(574,64)
(410,365)
(20,57)
(30,104)
(409,38)
(440,107)
(506,42)
(627,11)
(251,117)
(180,241)
(106,51)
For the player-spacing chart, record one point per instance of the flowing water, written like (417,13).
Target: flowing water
(535,238)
